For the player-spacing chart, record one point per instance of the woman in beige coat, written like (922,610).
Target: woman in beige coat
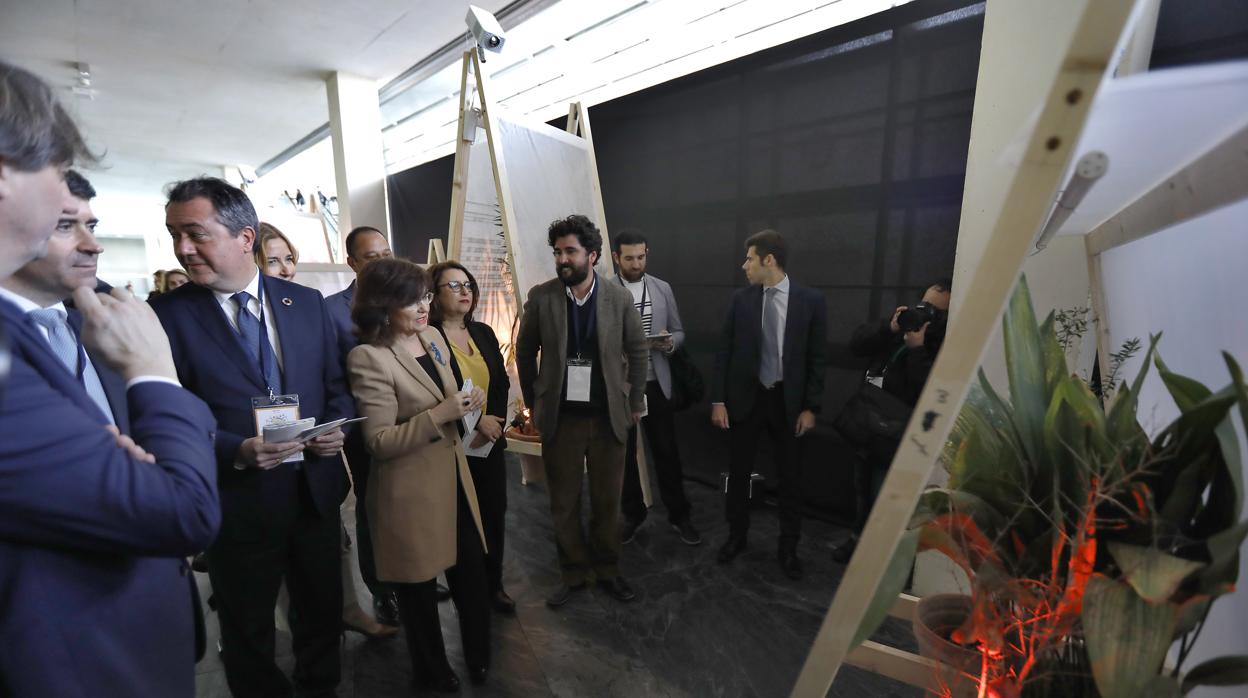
(422,509)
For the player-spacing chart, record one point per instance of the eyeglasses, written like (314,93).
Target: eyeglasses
(426,299)
(459,286)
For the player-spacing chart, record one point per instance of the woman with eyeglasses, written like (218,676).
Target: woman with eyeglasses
(422,504)
(476,354)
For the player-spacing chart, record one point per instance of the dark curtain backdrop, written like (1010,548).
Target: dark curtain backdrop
(851,142)
(1200,31)
(420,206)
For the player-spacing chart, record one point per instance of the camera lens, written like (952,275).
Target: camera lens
(493,41)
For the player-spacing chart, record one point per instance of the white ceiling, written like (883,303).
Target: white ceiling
(184,86)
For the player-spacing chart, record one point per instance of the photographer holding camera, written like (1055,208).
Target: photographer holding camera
(902,348)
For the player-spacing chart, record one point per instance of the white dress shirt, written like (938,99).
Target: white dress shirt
(26,305)
(226,301)
(582,301)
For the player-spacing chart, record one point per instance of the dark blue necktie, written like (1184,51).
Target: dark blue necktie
(249,330)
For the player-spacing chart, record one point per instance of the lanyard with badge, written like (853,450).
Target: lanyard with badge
(580,368)
(272,410)
(878,381)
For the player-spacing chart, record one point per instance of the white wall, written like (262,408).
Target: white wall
(1188,282)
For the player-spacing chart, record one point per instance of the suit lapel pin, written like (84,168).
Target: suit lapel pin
(287,302)
(437,353)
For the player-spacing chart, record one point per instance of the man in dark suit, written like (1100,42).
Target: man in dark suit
(240,338)
(364,244)
(585,397)
(49,282)
(94,597)
(769,378)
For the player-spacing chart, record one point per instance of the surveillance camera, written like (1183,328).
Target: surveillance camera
(485,29)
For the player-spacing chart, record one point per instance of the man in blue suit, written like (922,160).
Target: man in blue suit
(237,337)
(49,283)
(364,245)
(769,379)
(94,598)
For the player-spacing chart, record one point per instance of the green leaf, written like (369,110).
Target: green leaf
(1055,368)
(1222,671)
(1183,495)
(1154,575)
(1187,392)
(1122,424)
(1127,637)
(1162,686)
(937,501)
(890,586)
(1024,359)
(1226,437)
(1223,570)
(1191,612)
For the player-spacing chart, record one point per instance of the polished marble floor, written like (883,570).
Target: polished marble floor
(697,628)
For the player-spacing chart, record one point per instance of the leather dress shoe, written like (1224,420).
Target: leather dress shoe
(562,594)
(386,609)
(477,674)
(688,534)
(199,563)
(789,563)
(617,588)
(443,592)
(447,682)
(731,549)
(503,603)
(628,531)
(356,620)
(845,550)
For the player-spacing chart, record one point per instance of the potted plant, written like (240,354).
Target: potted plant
(1091,548)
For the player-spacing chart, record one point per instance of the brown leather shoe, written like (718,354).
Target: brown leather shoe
(356,620)
(503,603)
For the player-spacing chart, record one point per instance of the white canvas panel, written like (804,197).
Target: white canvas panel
(1153,124)
(549,175)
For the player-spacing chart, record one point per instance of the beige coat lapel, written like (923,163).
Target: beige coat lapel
(409,364)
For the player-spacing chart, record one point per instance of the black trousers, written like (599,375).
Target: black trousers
(489,476)
(418,606)
(660,428)
(360,464)
(869,473)
(768,417)
(246,565)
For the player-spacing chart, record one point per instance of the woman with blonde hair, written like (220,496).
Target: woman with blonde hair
(172,279)
(276,257)
(275,254)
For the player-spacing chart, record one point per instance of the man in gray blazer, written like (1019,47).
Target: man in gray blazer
(660,319)
(585,397)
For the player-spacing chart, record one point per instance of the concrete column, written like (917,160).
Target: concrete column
(359,165)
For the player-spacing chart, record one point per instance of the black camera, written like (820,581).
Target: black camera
(914,317)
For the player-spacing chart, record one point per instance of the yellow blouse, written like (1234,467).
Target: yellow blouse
(473,367)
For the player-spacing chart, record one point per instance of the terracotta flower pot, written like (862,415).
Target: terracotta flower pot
(935,618)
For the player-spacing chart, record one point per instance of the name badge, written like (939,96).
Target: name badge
(274,411)
(580,374)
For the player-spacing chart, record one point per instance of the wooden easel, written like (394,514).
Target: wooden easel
(1048,151)
(436,252)
(474,113)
